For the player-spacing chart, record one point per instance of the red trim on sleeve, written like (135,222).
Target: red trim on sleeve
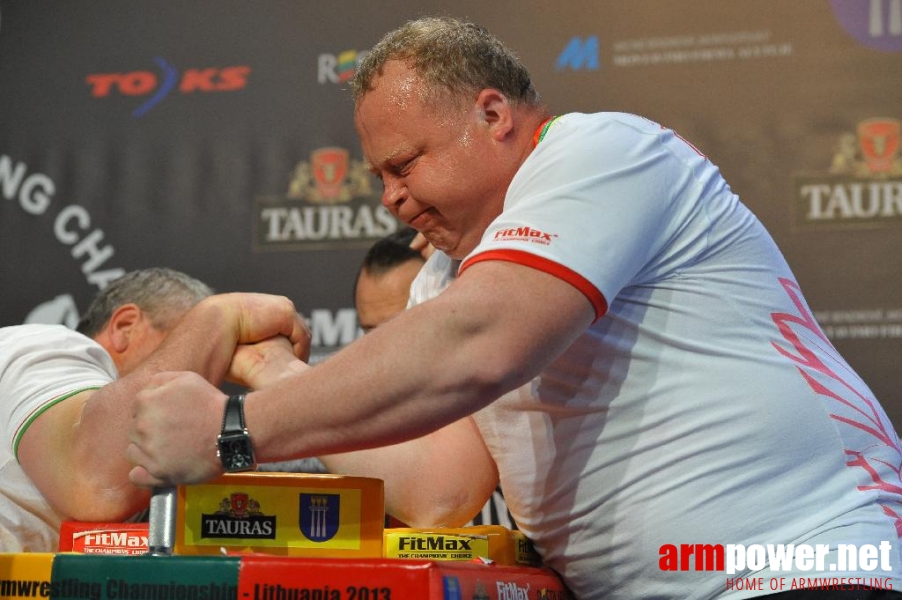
(547,266)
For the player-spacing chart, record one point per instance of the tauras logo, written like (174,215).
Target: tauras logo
(329,204)
(863,184)
(230,527)
(238,516)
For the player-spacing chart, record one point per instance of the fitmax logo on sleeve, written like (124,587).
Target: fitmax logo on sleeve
(157,86)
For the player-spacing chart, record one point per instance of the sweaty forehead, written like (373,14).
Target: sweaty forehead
(383,118)
(396,87)
(403,90)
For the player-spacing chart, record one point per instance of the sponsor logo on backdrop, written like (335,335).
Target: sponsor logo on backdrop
(61,310)
(862,182)
(861,324)
(332,68)
(699,48)
(34,193)
(580,54)
(330,331)
(238,516)
(153,87)
(860,186)
(329,204)
(873,23)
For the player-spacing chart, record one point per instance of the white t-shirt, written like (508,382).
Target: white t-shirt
(40,365)
(704,406)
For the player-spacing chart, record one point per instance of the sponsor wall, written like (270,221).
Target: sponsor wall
(216,137)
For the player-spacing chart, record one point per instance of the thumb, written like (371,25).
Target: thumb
(141,477)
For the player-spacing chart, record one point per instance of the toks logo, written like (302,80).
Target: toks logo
(158,87)
(864,183)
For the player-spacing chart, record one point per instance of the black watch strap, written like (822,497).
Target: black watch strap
(233,416)
(235,450)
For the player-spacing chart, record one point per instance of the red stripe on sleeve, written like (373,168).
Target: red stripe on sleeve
(547,266)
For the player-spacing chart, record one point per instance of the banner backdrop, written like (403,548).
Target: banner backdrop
(216,137)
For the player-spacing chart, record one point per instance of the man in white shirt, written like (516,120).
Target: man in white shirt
(65,395)
(641,366)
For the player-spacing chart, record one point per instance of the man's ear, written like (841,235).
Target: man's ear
(496,111)
(122,324)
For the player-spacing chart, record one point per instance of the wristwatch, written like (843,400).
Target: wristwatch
(235,449)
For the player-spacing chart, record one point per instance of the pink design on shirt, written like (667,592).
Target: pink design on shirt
(871,420)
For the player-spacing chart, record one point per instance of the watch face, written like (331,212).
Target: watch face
(236,452)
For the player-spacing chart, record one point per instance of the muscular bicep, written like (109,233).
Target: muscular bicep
(526,318)
(45,450)
(74,453)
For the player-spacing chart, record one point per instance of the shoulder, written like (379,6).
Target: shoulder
(599,148)
(39,348)
(600,127)
(42,336)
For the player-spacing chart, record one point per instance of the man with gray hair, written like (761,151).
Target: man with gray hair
(65,396)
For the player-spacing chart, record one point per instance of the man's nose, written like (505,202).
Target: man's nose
(393,193)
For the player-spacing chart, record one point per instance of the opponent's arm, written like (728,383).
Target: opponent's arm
(442,479)
(74,452)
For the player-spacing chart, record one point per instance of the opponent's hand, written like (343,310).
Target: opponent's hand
(261,365)
(254,317)
(172,437)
